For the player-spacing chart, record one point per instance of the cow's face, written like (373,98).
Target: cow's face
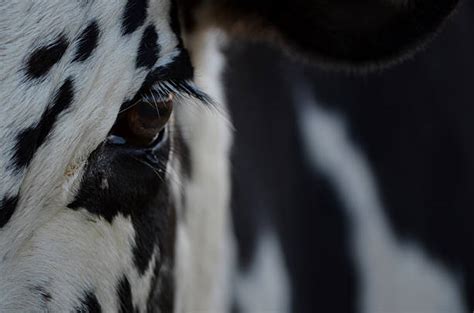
(102,124)
(91,153)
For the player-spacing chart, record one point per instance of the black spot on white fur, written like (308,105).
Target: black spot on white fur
(30,139)
(42,59)
(7,208)
(124,296)
(134,15)
(87,42)
(149,48)
(89,304)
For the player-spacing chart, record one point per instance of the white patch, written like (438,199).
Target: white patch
(396,277)
(72,253)
(265,286)
(204,249)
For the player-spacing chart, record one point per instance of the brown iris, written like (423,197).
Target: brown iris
(143,123)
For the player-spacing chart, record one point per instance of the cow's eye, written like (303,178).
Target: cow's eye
(144,123)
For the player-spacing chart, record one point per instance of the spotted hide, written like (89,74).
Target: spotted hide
(115,139)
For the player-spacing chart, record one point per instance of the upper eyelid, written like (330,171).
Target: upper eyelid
(181,88)
(160,90)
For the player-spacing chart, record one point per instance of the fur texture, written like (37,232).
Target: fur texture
(67,67)
(92,223)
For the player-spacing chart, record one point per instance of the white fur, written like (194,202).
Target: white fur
(396,276)
(204,246)
(265,286)
(66,255)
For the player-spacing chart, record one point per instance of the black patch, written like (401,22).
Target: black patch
(179,69)
(89,304)
(157,223)
(183,153)
(42,60)
(190,21)
(87,42)
(30,139)
(124,295)
(134,188)
(175,22)
(161,298)
(235,307)
(149,48)
(7,208)
(134,15)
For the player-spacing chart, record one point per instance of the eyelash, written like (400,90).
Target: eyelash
(180,89)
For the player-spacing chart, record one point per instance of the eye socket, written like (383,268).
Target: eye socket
(144,123)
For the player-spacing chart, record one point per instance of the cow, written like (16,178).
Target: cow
(115,139)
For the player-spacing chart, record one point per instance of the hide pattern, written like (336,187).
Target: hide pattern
(90,223)
(372,208)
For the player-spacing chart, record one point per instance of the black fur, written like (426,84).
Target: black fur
(31,139)
(357,33)
(180,69)
(161,297)
(184,154)
(134,15)
(89,304)
(152,231)
(124,296)
(87,42)
(175,22)
(42,59)
(7,208)
(149,48)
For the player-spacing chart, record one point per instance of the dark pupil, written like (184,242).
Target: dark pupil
(141,124)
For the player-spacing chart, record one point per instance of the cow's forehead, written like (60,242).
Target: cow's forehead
(66,69)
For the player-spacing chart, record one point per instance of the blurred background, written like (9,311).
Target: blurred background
(366,181)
